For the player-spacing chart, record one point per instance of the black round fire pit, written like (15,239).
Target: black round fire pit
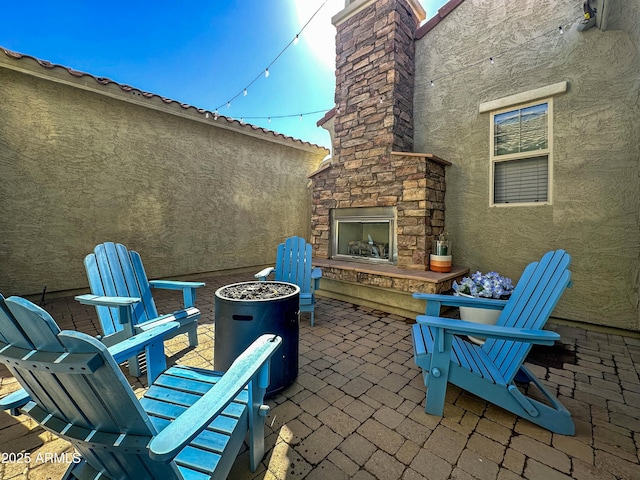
(244,311)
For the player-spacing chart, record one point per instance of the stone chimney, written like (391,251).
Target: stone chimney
(374,77)
(373,162)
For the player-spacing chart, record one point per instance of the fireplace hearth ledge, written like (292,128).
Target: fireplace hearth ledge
(383,287)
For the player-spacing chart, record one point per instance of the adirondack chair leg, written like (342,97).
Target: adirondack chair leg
(134,367)
(312,318)
(156,361)
(258,411)
(555,417)
(438,373)
(192,332)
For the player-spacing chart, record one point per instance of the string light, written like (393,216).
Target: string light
(503,52)
(265,72)
(291,115)
(243,119)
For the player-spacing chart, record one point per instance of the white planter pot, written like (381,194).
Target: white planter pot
(440,263)
(479,315)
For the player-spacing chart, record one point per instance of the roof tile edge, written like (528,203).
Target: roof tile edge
(103,81)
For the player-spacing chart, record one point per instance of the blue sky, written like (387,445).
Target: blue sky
(200,52)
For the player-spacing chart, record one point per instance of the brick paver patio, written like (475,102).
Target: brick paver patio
(356,409)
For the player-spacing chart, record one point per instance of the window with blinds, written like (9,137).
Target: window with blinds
(520,154)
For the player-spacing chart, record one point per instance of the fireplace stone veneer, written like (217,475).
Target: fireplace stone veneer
(413,183)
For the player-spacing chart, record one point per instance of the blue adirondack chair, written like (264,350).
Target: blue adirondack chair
(190,424)
(293,265)
(489,371)
(121,293)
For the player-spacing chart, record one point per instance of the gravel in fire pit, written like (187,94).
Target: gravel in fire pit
(256,290)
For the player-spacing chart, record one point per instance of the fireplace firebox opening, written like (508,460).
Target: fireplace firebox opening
(365,234)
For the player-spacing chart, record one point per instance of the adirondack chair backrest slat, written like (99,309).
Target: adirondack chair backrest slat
(520,349)
(536,294)
(112,270)
(131,280)
(143,288)
(293,263)
(22,333)
(101,400)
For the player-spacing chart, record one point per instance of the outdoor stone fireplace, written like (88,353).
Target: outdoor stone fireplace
(376,201)
(398,202)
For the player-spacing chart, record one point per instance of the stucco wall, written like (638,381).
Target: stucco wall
(81,168)
(596,136)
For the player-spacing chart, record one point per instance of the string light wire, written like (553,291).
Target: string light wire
(265,72)
(291,115)
(556,30)
(432,82)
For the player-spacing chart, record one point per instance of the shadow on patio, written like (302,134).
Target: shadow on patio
(356,409)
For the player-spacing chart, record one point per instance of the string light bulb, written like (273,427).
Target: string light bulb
(245,92)
(300,117)
(228,104)
(297,39)
(269,120)
(266,72)
(561,30)
(433,84)
(215,114)
(491,60)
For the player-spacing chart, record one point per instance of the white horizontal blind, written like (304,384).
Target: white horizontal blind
(521,181)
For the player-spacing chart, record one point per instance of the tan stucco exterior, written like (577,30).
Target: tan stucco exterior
(83,163)
(594,213)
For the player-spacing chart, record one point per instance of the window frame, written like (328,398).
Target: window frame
(493,158)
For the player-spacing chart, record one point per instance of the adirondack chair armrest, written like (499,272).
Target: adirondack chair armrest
(188,289)
(436,301)
(174,285)
(123,350)
(104,301)
(14,400)
(460,327)
(123,304)
(263,274)
(316,275)
(168,443)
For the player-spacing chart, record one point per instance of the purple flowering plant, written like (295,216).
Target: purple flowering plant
(489,285)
